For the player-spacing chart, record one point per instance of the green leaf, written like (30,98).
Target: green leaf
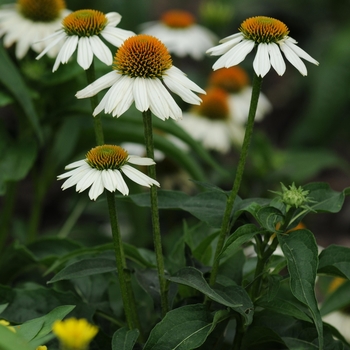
(124,339)
(85,267)
(34,330)
(242,235)
(192,277)
(300,249)
(269,217)
(184,328)
(12,80)
(326,199)
(335,261)
(12,341)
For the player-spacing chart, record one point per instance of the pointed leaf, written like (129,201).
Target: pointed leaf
(300,249)
(184,328)
(192,277)
(335,261)
(12,341)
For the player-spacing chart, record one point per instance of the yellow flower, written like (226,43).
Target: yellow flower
(41,347)
(74,334)
(7,324)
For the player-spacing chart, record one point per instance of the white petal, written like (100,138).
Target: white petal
(261,62)
(300,52)
(226,45)
(276,59)
(108,179)
(113,18)
(101,51)
(66,51)
(140,94)
(293,58)
(140,160)
(162,103)
(102,83)
(58,37)
(85,54)
(96,188)
(138,177)
(235,55)
(116,36)
(76,176)
(76,164)
(88,179)
(121,184)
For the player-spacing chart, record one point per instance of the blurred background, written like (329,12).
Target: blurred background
(305,138)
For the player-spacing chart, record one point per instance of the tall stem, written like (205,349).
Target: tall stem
(123,274)
(157,241)
(238,178)
(129,306)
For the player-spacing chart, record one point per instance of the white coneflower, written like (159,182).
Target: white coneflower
(270,36)
(83,30)
(103,168)
(180,33)
(29,21)
(143,72)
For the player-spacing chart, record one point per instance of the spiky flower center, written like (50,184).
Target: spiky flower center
(232,79)
(41,10)
(178,19)
(84,23)
(262,29)
(214,105)
(107,157)
(142,56)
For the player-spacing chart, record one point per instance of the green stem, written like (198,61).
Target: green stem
(128,300)
(90,76)
(238,178)
(123,273)
(157,241)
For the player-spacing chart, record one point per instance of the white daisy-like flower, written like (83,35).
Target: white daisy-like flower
(180,33)
(271,37)
(236,82)
(103,168)
(143,72)
(83,30)
(211,123)
(29,21)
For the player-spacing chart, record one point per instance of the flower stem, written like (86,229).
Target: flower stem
(123,273)
(157,241)
(90,76)
(124,279)
(238,178)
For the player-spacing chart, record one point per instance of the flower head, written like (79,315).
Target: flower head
(142,72)
(211,122)
(28,22)
(271,37)
(7,324)
(74,334)
(41,347)
(83,29)
(103,168)
(235,81)
(180,33)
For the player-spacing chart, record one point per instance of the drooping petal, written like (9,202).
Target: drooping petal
(87,180)
(158,104)
(121,184)
(138,177)
(76,164)
(276,59)
(66,51)
(290,42)
(85,54)
(293,58)
(102,83)
(235,55)
(108,180)
(261,61)
(116,36)
(96,188)
(140,94)
(100,50)
(56,38)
